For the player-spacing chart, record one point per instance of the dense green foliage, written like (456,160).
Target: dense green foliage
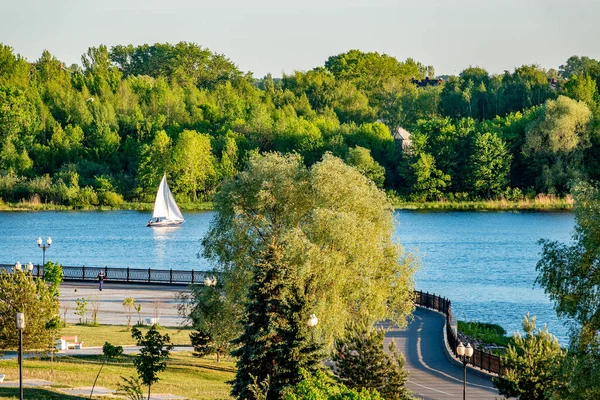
(54,275)
(105,132)
(530,364)
(361,362)
(332,226)
(321,386)
(488,333)
(569,274)
(21,292)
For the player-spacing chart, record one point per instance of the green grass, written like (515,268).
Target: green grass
(185,375)
(94,336)
(490,334)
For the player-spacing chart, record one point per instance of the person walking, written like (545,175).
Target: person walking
(100,279)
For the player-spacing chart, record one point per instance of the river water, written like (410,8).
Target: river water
(483,261)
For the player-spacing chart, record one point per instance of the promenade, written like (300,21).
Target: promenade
(432,375)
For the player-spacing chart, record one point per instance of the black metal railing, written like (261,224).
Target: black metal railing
(481,359)
(124,275)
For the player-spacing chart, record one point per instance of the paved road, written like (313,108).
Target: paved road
(156,300)
(432,375)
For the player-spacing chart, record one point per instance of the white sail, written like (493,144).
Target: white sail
(165,206)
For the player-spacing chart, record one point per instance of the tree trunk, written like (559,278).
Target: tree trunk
(148,392)
(96,380)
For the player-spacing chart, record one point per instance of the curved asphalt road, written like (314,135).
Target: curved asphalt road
(432,375)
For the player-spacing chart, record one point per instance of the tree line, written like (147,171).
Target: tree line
(105,132)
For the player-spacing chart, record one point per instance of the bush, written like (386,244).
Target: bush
(86,197)
(108,198)
(487,333)
(322,386)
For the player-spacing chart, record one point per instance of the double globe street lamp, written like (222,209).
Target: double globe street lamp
(20,268)
(464,355)
(43,246)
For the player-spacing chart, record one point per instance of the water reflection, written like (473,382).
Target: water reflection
(162,236)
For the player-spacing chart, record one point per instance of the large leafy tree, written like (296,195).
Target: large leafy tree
(21,292)
(333,227)
(556,140)
(193,163)
(569,274)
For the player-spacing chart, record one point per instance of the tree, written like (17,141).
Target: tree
(53,274)
(490,163)
(569,275)
(361,159)
(556,141)
(333,228)
(215,317)
(21,292)
(322,386)
(193,163)
(530,364)
(154,351)
(273,346)
(428,182)
(569,272)
(361,362)
(129,305)
(110,352)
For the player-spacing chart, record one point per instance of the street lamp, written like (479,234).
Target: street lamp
(44,247)
(30,267)
(18,266)
(20,327)
(464,355)
(312,320)
(210,282)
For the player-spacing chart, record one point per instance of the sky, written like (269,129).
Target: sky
(280,36)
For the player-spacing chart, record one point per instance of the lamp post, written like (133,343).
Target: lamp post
(44,247)
(18,266)
(464,355)
(20,327)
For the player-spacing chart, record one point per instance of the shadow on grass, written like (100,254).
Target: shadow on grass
(36,393)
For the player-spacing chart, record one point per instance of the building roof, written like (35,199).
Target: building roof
(402,134)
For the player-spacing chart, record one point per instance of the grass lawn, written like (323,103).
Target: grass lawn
(94,336)
(488,333)
(185,375)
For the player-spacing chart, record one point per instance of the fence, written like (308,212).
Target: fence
(125,275)
(481,359)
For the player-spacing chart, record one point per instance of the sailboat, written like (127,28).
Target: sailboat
(166,212)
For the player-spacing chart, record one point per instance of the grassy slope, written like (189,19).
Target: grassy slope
(185,375)
(119,335)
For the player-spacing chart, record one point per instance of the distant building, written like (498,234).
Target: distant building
(427,82)
(553,82)
(402,140)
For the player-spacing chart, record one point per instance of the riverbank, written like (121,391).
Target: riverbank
(540,203)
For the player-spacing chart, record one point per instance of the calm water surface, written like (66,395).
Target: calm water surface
(483,261)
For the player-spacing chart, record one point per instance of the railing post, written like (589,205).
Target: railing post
(149,274)
(106,271)
(171,275)
(38,270)
(192,277)
(83,272)
(128,273)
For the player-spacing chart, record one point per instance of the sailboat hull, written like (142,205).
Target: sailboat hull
(164,223)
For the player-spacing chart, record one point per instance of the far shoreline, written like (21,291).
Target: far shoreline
(545,204)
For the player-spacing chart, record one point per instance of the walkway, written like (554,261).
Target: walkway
(432,375)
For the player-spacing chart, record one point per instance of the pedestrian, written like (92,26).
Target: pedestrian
(100,279)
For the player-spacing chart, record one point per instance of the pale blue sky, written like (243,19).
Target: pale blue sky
(282,36)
